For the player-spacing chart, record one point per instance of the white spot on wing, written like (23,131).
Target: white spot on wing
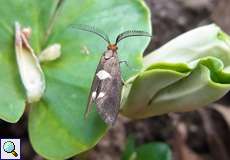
(102,74)
(94,94)
(101,94)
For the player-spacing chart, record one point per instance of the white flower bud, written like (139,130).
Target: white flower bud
(50,53)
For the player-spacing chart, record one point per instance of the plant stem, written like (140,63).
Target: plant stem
(52,21)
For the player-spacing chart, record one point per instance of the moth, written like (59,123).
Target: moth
(107,84)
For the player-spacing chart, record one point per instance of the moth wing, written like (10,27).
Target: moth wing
(108,104)
(94,87)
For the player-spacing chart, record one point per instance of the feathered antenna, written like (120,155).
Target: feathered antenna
(93,30)
(131,33)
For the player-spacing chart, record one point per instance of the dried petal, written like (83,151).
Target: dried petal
(27,32)
(29,67)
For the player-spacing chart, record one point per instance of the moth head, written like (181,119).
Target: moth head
(112,47)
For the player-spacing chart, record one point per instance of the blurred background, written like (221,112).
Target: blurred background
(198,135)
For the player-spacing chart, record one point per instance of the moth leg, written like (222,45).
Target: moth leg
(126,62)
(123,82)
(122,79)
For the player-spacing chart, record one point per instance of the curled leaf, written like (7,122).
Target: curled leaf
(50,53)
(29,68)
(187,73)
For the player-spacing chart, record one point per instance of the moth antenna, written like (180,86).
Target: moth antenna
(91,29)
(131,33)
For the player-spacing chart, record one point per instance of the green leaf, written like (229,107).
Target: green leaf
(12,102)
(154,151)
(129,152)
(57,128)
(149,151)
(187,73)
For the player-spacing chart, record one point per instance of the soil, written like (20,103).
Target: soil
(198,135)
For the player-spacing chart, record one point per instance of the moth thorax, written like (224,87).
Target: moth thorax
(112,47)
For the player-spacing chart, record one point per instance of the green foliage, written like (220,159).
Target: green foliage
(149,151)
(57,128)
(186,73)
